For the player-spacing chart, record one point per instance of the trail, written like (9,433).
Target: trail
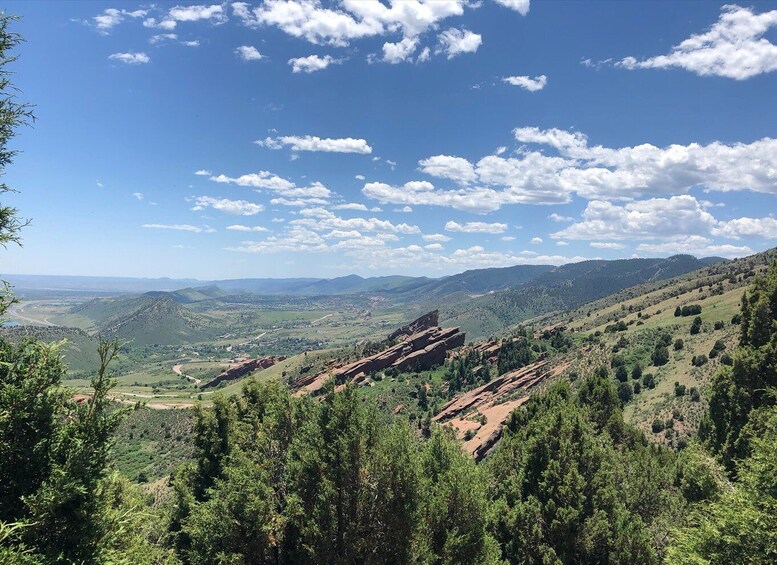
(178,370)
(322,318)
(17,312)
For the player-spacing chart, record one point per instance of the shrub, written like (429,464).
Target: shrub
(660,356)
(625,392)
(696,326)
(695,396)
(657,426)
(622,374)
(679,390)
(678,344)
(636,372)
(649,380)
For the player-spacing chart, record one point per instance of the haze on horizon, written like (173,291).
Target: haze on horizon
(419,138)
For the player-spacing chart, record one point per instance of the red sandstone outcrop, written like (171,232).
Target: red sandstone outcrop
(487,404)
(419,351)
(243,368)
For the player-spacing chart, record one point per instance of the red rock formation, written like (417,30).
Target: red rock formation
(429,320)
(242,369)
(420,351)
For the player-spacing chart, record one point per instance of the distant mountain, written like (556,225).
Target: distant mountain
(477,281)
(151,318)
(560,288)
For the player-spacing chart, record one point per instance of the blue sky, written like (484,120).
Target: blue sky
(303,138)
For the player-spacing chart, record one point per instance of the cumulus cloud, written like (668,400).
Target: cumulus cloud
(695,245)
(180,227)
(734,47)
(265,180)
(350,206)
(318,219)
(590,172)
(453,42)
(559,218)
(239,227)
(111,17)
(315,143)
(536,240)
(130,58)
(444,166)
(400,51)
(475,227)
(227,206)
(520,6)
(681,223)
(249,53)
(645,219)
(203,173)
(353,19)
(138,195)
(312,63)
(527,83)
(607,245)
(436,237)
(765,228)
(214,13)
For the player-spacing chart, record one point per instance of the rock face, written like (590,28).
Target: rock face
(420,350)
(489,400)
(242,369)
(429,320)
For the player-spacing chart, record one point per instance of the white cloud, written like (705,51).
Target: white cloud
(318,219)
(202,173)
(536,240)
(590,172)
(561,243)
(138,195)
(607,245)
(312,63)
(352,19)
(227,206)
(111,17)
(520,6)
(192,43)
(695,245)
(475,227)
(434,247)
(559,218)
(350,206)
(130,58)
(527,83)
(680,223)
(359,177)
(436,237)
(734,47)
(401,51)
(265,180)
(315,143)
(765,228)
(196,13)
(162,37)
(507,238)
(444,166)
(262,179)
(249,53)
(180,227)
(453,42)
(645,219)
(238,227)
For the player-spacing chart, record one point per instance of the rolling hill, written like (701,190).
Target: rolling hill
(561,288)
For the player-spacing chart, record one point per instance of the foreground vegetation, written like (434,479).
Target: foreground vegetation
(274,478)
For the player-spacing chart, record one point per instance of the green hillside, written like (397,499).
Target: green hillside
(558,289)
